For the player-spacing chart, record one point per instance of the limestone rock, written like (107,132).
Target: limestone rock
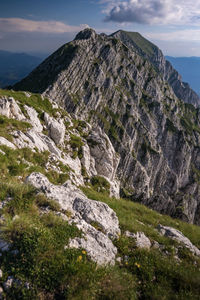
(10,109)
(56,129)
(176,235)
(106,159)
(33,118)
(97,245)
(5,142)
(142,241)
(86,214)
(99,213)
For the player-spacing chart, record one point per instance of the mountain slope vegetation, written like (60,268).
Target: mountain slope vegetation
(35,227)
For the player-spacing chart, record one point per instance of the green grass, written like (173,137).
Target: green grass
(8,125)
(146,46)
(35,101)
(132,214)
(22,162)
(56,272)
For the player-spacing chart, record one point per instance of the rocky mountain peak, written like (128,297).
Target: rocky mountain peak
(87,33)
(149,51)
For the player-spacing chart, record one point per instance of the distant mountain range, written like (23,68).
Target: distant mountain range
(189,68)
(15,66)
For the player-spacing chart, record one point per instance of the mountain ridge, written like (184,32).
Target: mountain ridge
(151,52)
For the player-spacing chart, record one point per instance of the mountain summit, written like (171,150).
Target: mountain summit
(123,84)
(146,49)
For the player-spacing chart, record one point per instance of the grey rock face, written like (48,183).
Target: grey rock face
(156,135)
(56,129)
(102,159)
(136,42)
(86,214)
(179,237)
(34,120)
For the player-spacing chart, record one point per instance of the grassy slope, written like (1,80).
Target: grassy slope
(146,46)
(58,273)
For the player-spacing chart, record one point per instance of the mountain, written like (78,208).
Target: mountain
(151,52)
(15,66)
(65,233)
(100,79)
(189,68)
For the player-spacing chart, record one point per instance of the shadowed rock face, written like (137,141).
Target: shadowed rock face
(156,135)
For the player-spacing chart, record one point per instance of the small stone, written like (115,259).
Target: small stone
(119,259)
(14,252)
(155,245)
(8,283)
(16,217)
(142,241)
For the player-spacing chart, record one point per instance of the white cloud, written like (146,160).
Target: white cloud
(190,35)
(23,25)
(176,12)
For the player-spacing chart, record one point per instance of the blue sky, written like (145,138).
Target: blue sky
(44,25)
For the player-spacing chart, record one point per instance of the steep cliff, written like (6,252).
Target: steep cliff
(100,79)
(151,52)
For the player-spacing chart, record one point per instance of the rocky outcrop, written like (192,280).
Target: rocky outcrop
(176,235)
(56,129)
(98,222)
(10,109)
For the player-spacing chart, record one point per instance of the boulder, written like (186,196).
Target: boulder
(4,246)
(97,220)
(106,159)
(34,120)
(56,129)
(97,245)
(178,236)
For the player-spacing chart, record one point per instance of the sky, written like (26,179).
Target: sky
(41,26)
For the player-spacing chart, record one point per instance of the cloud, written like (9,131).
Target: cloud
(175,12)
(24,25)
(190,35)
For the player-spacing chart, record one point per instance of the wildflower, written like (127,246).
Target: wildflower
(137,265)
(79,258)
(84,252)
(126,263)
